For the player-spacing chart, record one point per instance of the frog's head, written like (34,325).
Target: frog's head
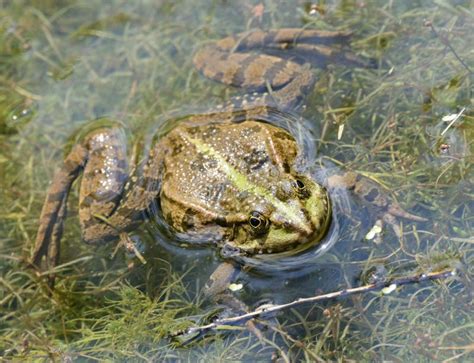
(291,215)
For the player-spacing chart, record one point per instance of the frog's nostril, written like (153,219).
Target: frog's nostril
(284,190)
(282,194)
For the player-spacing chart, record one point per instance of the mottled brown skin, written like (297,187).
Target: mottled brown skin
(275,60)
(213,206)
(224,176)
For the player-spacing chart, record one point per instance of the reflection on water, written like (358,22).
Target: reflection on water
(65,63)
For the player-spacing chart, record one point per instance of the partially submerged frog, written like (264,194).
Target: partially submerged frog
(225,177)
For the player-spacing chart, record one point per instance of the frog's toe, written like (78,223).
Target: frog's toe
(393,212)
(397,211)
(393,222)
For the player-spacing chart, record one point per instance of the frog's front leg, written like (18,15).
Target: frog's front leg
(372,194)
(217,291)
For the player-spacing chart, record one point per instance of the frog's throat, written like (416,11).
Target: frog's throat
(290,212)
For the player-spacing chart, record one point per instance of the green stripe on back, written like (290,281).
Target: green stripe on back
(242,183)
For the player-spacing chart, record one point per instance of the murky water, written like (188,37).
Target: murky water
(407,125)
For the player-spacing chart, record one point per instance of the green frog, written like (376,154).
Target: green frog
(228,177)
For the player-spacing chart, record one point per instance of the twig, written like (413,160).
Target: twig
(387,287)
(454,120)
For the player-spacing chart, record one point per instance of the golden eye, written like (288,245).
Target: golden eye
(255,222)
(299,184)
(300,188)
(258,222)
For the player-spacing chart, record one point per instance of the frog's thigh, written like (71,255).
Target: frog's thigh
(253,71)
(103,182)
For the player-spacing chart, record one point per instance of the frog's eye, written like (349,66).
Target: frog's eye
(258,222)
(300,187)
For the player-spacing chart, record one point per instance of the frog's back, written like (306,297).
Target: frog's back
(208,173)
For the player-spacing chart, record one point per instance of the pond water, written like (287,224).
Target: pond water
(407,124)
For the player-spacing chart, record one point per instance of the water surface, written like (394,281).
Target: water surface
(65,63)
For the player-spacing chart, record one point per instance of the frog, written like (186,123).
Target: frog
(227,177)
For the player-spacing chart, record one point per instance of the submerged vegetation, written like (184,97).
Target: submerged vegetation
(64,63)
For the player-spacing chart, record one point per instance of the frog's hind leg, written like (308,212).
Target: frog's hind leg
(273,79)
(103,183)
(54,208)
(113,199)
(317,47)
(102,156)
(274,64)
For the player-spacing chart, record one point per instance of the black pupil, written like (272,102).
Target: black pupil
(255,222)
(299,184)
